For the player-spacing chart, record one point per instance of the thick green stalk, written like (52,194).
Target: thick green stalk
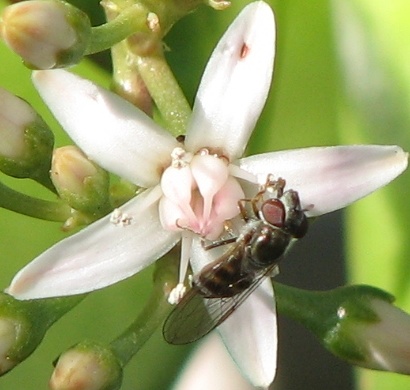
(166,93)
(129,21)
(33,207)
(152,316)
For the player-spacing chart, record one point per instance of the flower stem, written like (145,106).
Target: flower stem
(155,311)
(133,18)
(141,73)
(166,93)
(129,21)
(33,207)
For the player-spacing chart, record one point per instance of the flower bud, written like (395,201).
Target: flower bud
(87,366)
(356,323)
(8,336)
(47,34)
(79,181)
(382,339)
(23,325)
(26,142)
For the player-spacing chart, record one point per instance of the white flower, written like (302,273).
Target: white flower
(192,189)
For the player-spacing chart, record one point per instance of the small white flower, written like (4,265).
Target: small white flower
(192,189)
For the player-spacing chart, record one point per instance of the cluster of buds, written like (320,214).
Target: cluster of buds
(27,151)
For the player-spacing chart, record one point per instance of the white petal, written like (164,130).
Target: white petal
(211,367)
(330,178)
(98,256)
(111,131)
(235,84)
(250,333)
(250,336)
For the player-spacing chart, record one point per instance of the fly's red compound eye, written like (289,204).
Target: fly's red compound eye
(273,212)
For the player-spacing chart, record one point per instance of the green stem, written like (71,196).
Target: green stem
(126,80)
(152,316)
(140,69)
(49,310)
(130,20)
(166,93)
(44,179)
(33,207)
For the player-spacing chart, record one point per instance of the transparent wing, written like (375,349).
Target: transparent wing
(196,316)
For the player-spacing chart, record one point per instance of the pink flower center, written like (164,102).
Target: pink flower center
(199,194)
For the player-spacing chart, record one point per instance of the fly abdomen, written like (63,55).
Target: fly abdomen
(223,279)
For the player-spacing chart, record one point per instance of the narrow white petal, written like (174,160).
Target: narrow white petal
(250,333)
(235,84)
(330,178)
(111,131)
(98,256)
(250,336)
(203,371)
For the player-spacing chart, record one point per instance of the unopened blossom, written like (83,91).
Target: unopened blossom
(26,142)
(193,188)
(384,340)
(46,33)
(86,366)
(78,180)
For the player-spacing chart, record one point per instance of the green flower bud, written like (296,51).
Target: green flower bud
(380,340)
(356,323)
(26,142)
(23,325)
(8,335)
(89,366)
(47,34)
(79,181)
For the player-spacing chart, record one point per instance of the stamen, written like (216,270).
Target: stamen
(176,294)
(180,158)
(119,218)
(186,245)
(235,171)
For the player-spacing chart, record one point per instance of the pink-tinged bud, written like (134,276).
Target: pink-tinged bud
(386,341)
(26,142)
(79,181)
(87,366)
(46,34)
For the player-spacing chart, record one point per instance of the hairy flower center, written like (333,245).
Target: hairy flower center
(199,194)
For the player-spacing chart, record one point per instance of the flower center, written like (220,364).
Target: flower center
(199,194)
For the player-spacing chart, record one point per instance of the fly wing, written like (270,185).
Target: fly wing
(196,316)
(188,321)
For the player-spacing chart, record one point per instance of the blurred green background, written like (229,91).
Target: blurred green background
(342,75)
